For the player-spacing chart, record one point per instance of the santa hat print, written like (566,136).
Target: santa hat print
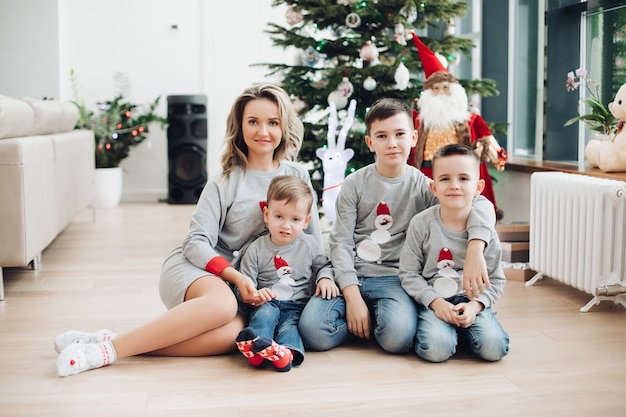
(279,262)
(430,61)
(382,209)
(445,258)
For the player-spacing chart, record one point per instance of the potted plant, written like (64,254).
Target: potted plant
(118,126)
(600,119)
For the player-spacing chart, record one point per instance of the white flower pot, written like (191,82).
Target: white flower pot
(107,187)
(602,137)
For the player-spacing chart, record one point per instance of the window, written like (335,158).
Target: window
(604,54)
(586,35)
(525,101)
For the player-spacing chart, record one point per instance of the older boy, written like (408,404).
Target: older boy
(374,208)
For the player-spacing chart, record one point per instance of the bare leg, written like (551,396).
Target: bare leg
(207,323)
(213,342)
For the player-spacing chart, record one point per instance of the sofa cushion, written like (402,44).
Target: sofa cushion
(51,116)
(16,117)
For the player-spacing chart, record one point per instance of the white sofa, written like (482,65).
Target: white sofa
(46,176)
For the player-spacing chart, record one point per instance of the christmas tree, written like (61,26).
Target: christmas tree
(361,50)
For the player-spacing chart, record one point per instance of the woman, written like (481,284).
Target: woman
(198,278)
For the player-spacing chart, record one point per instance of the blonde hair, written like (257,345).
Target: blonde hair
(236,152)
(290,189)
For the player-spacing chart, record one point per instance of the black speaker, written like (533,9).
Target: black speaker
(186,147)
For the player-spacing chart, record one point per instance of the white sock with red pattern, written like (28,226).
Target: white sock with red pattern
(74,336)
(79,357)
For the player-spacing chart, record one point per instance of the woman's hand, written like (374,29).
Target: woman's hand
(248,292)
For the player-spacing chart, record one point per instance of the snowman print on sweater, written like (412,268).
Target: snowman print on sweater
(283,288)
(447,279)
(369,249)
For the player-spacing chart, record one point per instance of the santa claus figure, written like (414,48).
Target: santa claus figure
(443,117)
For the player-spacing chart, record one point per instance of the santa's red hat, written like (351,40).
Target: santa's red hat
(383,208)
(445,258)
(430,62)
(279,262)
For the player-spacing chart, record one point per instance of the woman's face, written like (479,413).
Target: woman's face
(261,127)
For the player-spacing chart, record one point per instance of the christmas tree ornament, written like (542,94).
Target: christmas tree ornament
(345,87)
(409,12)
(451,28)
(337,98)
(310,57)
(402,77)
(353,20)
(293,15)
(399,34)
(454,59)
(369,83)
(346,2)
(369,52)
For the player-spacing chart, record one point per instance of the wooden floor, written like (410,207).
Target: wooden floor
(104,274)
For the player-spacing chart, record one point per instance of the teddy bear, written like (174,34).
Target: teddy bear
(610,155)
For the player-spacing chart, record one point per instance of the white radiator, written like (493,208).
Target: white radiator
(577,233)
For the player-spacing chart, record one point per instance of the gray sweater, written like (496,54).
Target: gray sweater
(228,216)
(362,204)
(426,237)
(303,261)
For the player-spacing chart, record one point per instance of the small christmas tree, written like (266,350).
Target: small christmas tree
(118,125)
(361,50)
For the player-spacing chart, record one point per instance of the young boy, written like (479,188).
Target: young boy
(431,266)
(374,208)
(282,264)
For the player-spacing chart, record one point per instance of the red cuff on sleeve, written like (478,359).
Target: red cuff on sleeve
(217,265)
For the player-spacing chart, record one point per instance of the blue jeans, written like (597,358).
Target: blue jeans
(436,340)
(323,323)
(278,320)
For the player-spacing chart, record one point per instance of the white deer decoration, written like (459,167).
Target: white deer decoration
(335,158)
